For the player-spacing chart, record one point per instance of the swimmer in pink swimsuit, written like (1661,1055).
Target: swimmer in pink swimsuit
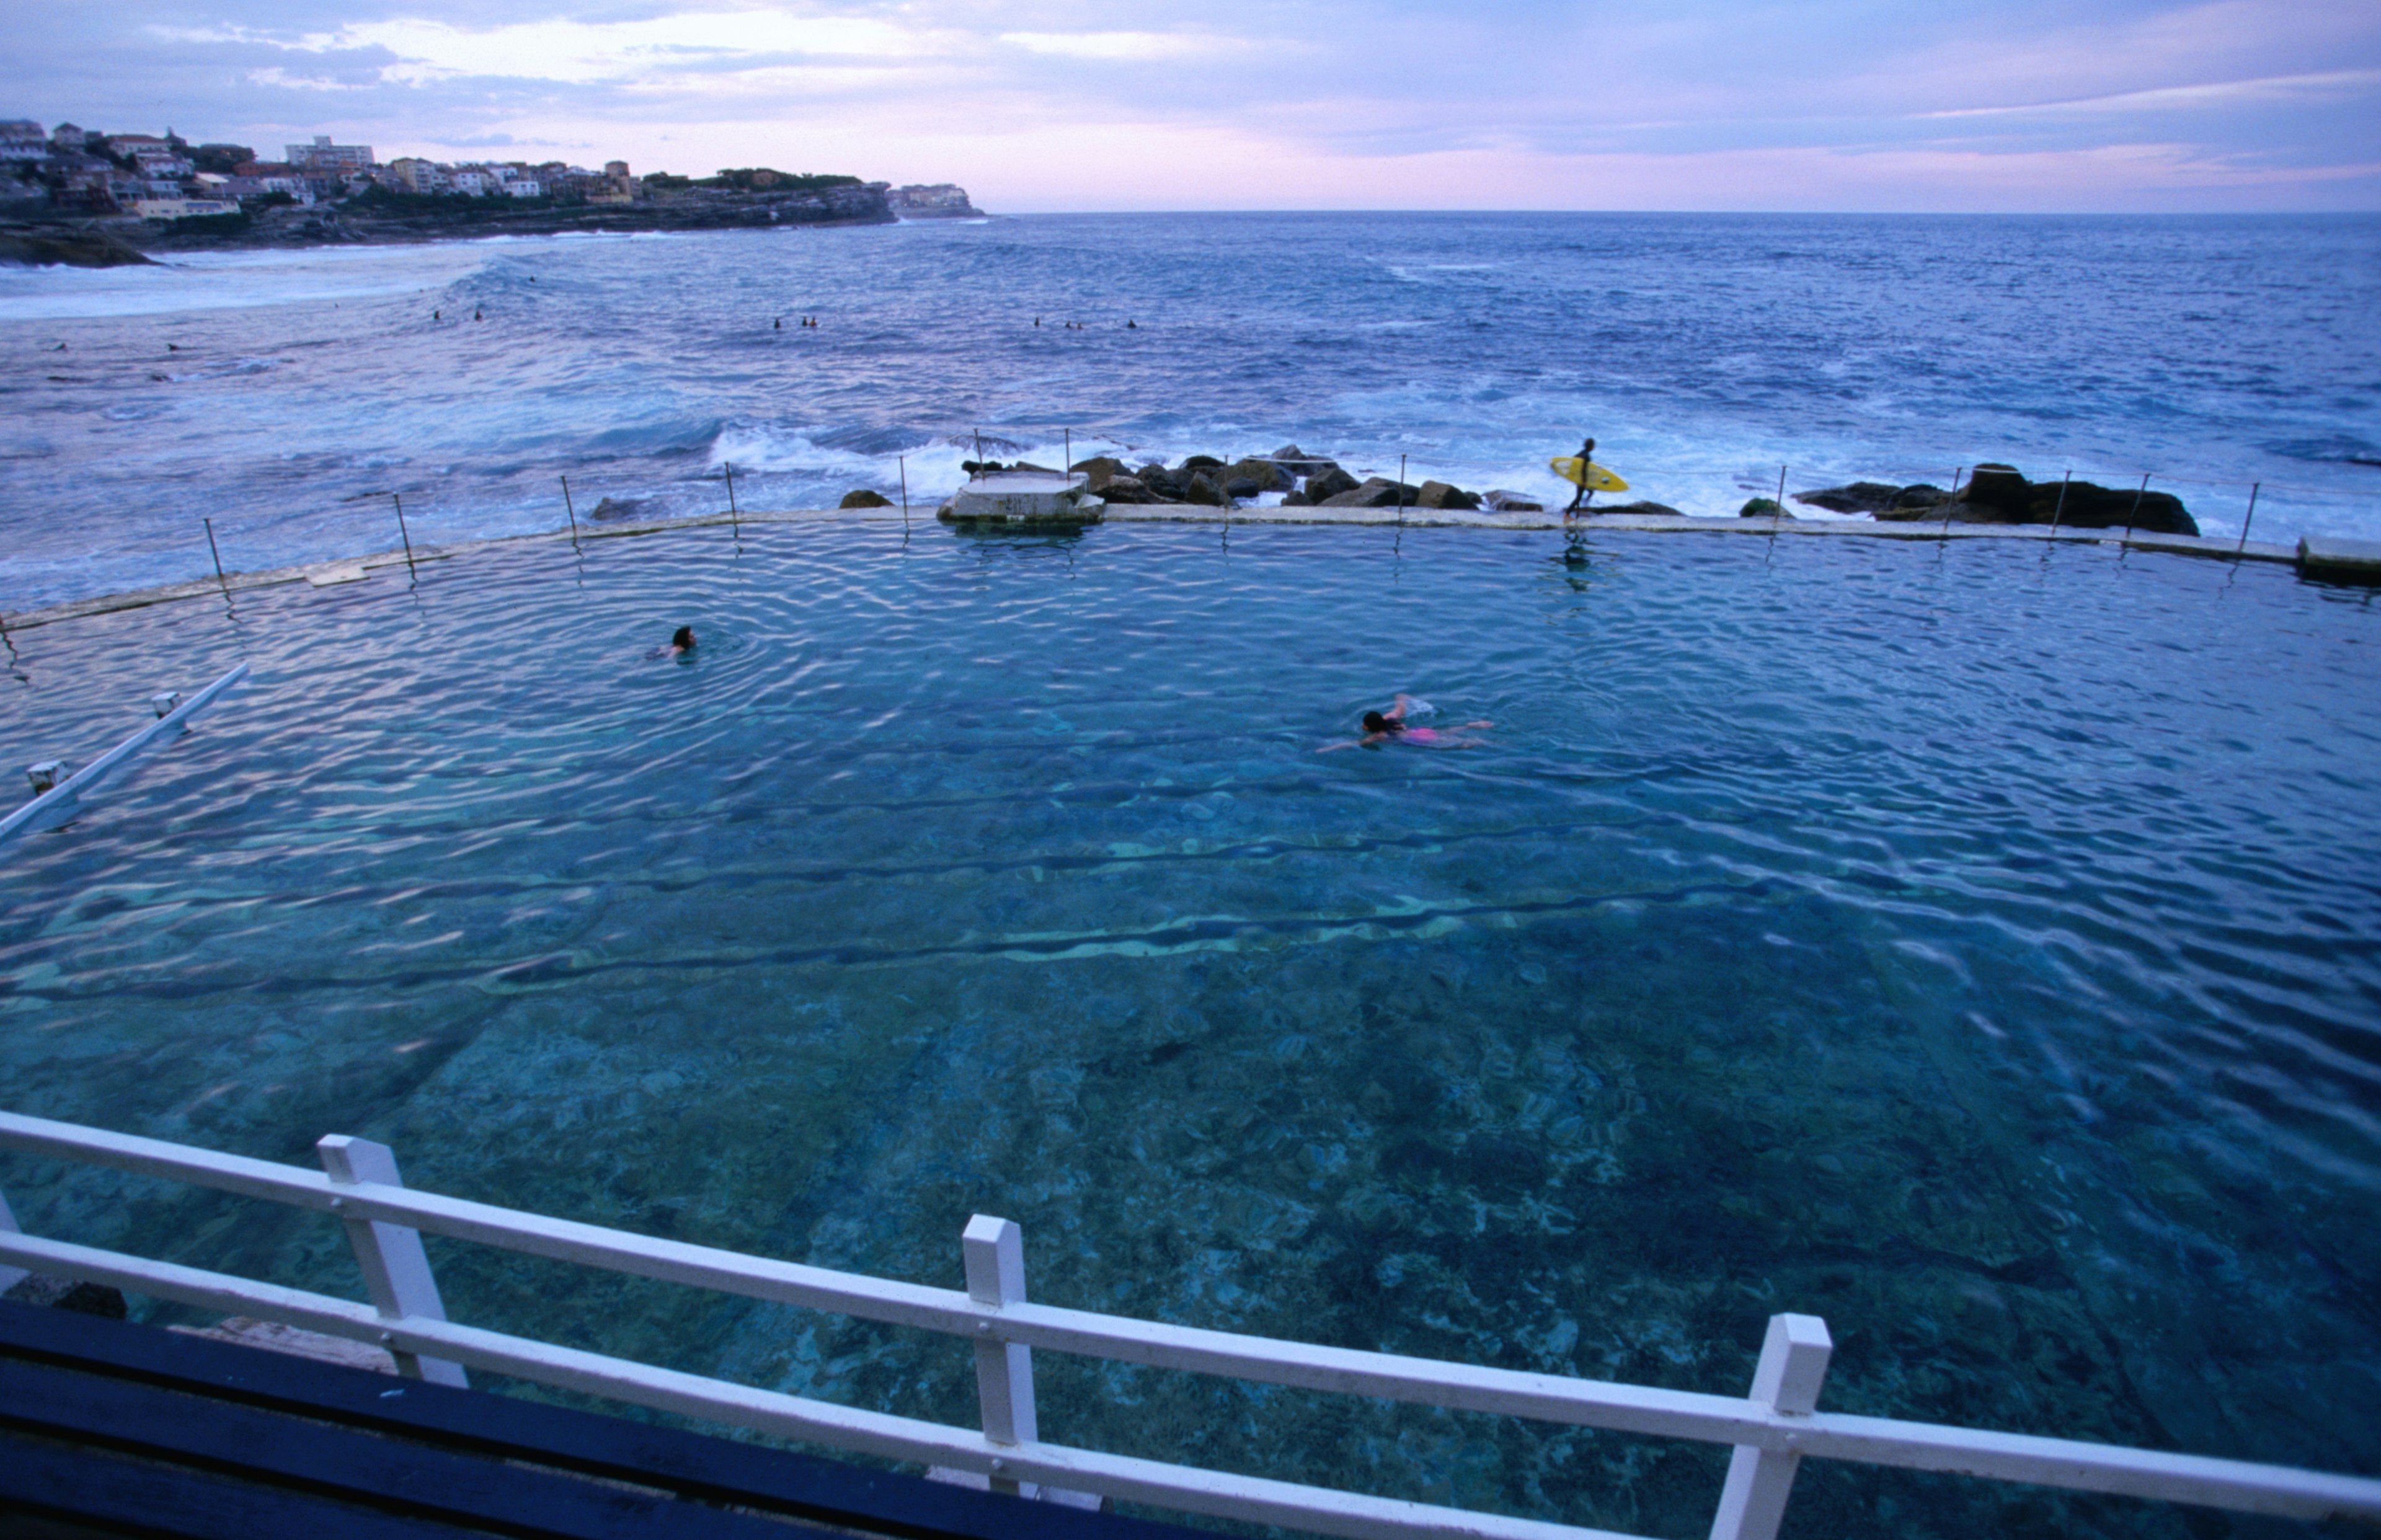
(1389,727)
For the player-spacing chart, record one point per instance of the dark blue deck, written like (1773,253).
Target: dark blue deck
(117,1428)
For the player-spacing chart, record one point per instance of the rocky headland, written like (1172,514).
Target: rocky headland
(367,220)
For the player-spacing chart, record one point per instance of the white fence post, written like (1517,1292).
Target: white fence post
(1794,1363)
(396,1269)
(995,1250)
(10,1276)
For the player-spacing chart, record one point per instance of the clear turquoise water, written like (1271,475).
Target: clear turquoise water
(1971,946)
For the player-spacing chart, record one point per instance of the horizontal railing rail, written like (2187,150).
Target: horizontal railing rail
(1771,1430)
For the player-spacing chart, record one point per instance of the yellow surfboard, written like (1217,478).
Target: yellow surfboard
(1596,479)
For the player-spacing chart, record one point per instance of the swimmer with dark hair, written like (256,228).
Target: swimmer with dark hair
(681,643)
(1389,727)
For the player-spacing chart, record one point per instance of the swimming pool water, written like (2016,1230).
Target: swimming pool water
(1972,945)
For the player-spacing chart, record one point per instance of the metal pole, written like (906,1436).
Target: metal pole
(2244,521)
(569,509)
(904,461)
(1951,499)
(734,523)
(979,455)
(217,554)
(403,534)
(2136,511)
(1778,516)
(2060,511)
(1070,456)
(1398,549)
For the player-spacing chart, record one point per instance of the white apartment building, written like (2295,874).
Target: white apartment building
(22,139)
(323,155)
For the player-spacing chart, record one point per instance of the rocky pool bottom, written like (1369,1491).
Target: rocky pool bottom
(1968,943)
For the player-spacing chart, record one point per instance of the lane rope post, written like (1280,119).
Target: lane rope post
(212,551)
(569,510)
(406,535)
(2243,546)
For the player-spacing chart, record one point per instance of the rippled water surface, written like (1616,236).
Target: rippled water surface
(1972,946)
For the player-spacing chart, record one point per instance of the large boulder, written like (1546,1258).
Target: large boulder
(1763,508)
(1440,495)
(1375,492)
(864,498)
(1198,462)
(1918,500)
(1265,475)
(2090,506)
(1203,491)
(1296,461)
(1995,494)
(1502,501)
(1326,484)
(1856,497)
(1638,509)
(1097,471)
(1163,484)
(1124,489)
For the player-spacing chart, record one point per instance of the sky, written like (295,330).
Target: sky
(2101,106)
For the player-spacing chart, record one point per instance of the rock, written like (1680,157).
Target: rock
(1037,469)
(1640,510)
(1997,492)
(1267,476)
(1203,491)
(56,1293)
(1124,489)
(864,498)
(1198,462)
(1164,485)
(1298,463)
(1763,508)
(1240,488)
(1856,497)
(1917,501)
(1294,498)
(982,466)
(1511,502)
(1324,486)
(1375,492)
(37,247)
(613,510)
(1097,469)
(2090,506)
(1440,495)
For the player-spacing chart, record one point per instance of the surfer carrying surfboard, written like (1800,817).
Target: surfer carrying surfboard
(1580,492)
(1585,476)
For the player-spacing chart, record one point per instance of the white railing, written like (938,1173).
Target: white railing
(1772,1429)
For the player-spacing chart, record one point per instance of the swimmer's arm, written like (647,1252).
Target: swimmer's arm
(1397,713)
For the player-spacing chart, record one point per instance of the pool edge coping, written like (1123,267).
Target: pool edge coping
(337,572)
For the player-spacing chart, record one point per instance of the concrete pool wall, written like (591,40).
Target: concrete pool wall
(356,569)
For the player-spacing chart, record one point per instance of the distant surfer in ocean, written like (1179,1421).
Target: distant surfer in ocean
(1389,727)
(1579,491)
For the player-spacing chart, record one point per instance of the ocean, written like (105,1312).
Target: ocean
(288,394)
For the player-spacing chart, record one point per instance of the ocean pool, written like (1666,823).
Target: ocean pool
(1973,945)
